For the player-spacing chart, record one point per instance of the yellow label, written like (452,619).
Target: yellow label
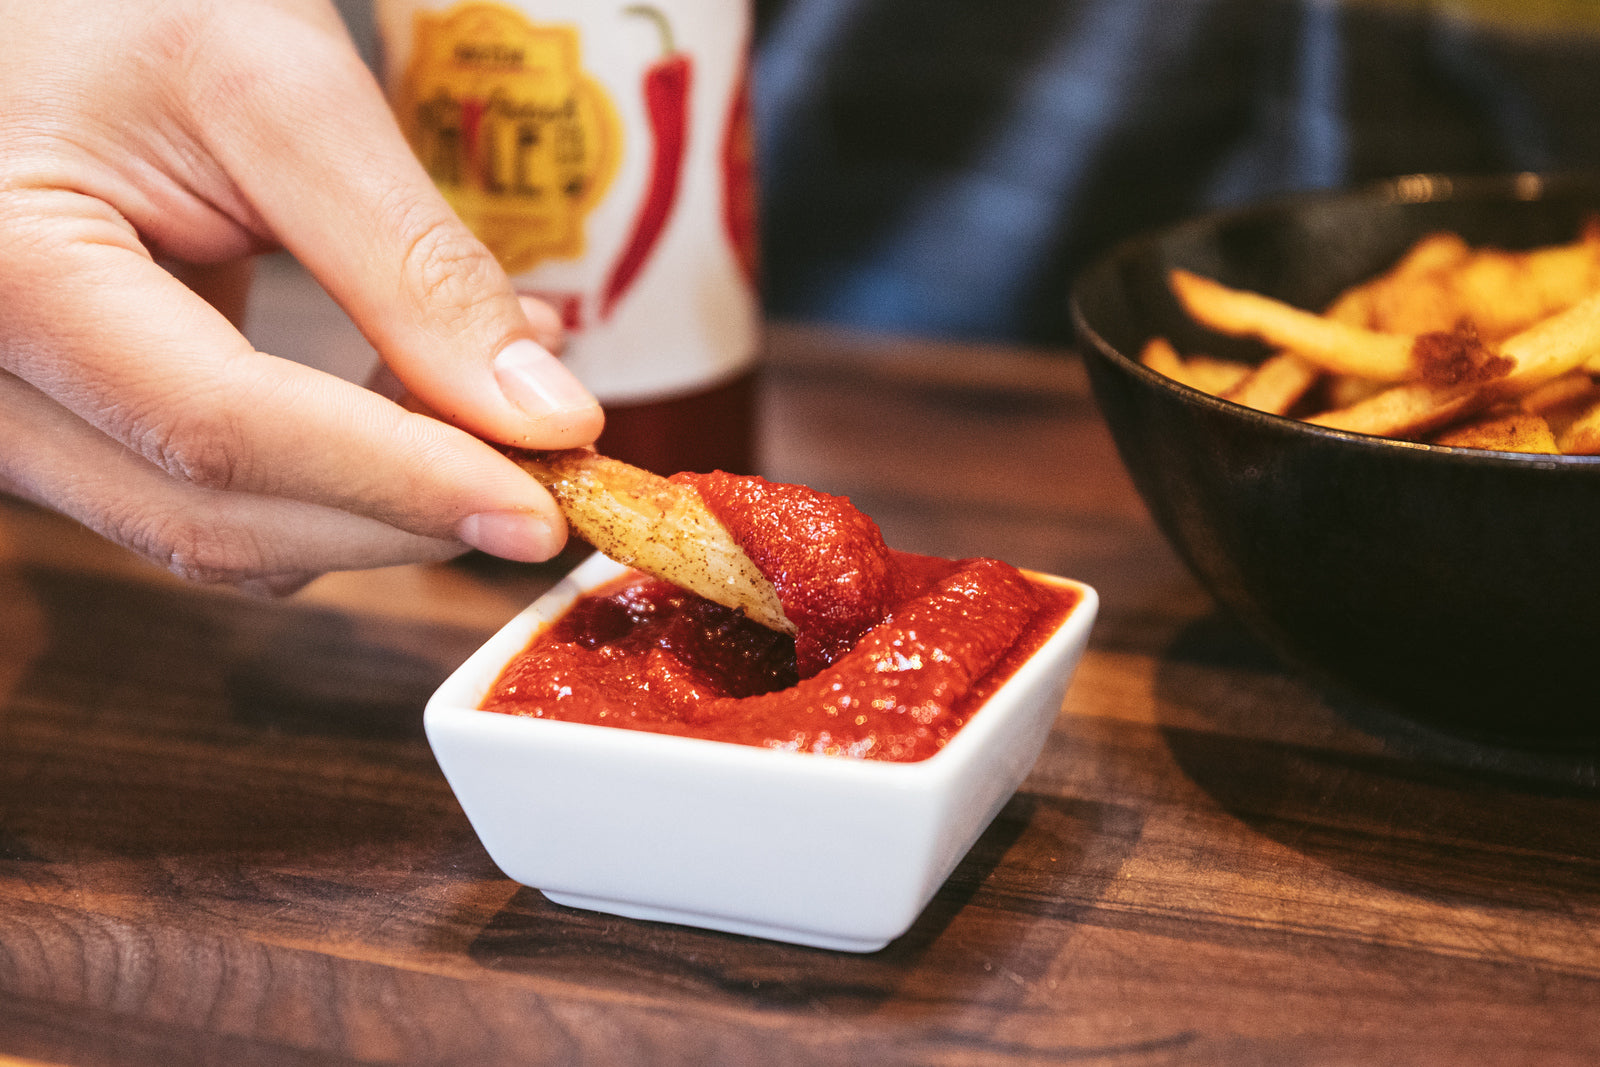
(518,137)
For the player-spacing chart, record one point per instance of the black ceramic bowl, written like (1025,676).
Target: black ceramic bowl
(1453,585)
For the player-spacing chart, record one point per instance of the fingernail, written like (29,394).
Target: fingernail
(515,535)
(537,382)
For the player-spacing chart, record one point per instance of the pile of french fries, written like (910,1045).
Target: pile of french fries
(1453,345)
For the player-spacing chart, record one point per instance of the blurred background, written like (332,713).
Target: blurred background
(944,167)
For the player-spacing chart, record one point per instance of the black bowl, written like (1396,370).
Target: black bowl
(1453,585)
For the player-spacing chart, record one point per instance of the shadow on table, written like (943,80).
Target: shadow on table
(1369,793)
(324,675)
(1041,861)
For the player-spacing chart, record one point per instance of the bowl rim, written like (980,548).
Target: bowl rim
(445,709)
(1422,188)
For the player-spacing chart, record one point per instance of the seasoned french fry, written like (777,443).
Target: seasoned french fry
(1404,411)
(1516,431)
(1205,373)
(1215,376)
(1334,346)
(1503,293)
(1159,355)
(1550,348)
(1432,253)
(1413,296)
(1569,388)
(1581,437)
(645,521)
(1276,385)
(1345,390)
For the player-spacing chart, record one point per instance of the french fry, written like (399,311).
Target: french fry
(1414,295)
(1581,436)
(1568,389)
(1345,390)
(1215,376)
(1404,411)
(1334,346)
(645,521)
(1551,347)
(1159,355)
(1276,385)
(1207,374)
(1503,293)
(1516,431)
(1431,254)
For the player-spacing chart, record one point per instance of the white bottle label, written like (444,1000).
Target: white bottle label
(602,151)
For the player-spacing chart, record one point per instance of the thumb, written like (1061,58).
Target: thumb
(343,192)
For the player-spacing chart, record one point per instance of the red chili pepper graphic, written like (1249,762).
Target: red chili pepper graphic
(740,210)
(472,111)
(666,97)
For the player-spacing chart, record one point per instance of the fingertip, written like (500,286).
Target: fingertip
(521,536)
(563,411)
(572,429)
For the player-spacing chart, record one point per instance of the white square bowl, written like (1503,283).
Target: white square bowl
(815,850)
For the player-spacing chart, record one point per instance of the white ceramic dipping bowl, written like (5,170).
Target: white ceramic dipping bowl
(815,850)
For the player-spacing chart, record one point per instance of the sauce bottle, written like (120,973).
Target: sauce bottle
(602,150)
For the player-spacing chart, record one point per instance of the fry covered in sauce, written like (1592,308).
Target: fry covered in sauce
(890,655)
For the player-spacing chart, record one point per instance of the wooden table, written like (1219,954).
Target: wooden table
(223,838)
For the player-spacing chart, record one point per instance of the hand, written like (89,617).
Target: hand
(196,133)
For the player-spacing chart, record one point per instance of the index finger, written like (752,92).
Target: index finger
(342,190)
(92,322)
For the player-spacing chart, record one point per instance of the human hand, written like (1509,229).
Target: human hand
(198,133)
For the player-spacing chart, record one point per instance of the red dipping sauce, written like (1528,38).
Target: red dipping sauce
(894,652)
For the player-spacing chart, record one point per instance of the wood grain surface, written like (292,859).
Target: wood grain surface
(223,839)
